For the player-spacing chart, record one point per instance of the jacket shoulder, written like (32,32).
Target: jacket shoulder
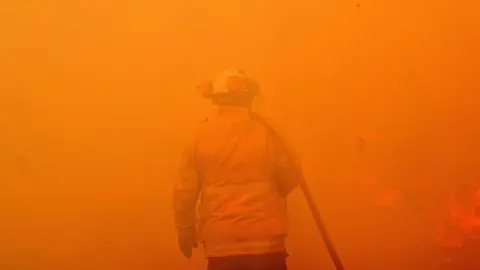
(278,130)
(271,124)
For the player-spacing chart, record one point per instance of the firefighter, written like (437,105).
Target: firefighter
(241,174)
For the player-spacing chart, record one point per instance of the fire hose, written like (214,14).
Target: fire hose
(321,225)
(310,201)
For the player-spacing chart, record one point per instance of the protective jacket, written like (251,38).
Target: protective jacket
(240,170)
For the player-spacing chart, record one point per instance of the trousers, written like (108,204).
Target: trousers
(271,261)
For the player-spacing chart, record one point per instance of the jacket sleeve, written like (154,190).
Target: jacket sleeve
(288,166)
(186,190)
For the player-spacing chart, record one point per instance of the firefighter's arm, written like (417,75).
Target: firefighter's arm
(186,191)
(288,163)
(289,169)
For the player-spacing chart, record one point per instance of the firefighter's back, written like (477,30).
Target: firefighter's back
(241,210)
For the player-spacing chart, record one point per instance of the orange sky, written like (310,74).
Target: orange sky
(97,98)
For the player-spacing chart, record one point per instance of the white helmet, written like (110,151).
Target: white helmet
(228,81)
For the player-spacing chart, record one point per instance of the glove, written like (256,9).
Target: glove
(187,240)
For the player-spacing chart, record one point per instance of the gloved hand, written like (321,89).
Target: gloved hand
(187,240)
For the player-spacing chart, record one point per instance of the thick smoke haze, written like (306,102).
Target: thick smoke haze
(98,97)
